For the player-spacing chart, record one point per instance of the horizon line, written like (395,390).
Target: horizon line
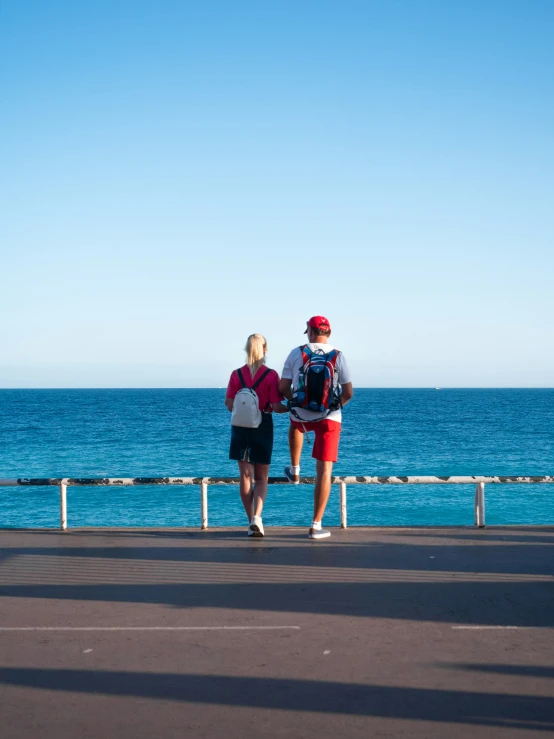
(357,387)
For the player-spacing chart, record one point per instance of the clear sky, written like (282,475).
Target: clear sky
(177,175)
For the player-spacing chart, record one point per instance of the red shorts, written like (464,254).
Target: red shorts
(327,435)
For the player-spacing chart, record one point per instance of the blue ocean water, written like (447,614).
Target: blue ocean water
(80,433)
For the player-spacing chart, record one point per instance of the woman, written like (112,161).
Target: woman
(252,447)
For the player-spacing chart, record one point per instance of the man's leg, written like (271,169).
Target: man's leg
(322,490)
(326,448)
(296,440)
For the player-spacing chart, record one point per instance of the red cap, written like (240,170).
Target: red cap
(319,322)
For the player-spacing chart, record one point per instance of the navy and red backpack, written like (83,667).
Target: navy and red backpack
(318,389)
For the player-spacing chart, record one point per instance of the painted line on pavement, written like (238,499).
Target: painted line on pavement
(148,628)
(486,628)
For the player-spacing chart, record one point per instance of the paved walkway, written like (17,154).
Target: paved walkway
(372,633)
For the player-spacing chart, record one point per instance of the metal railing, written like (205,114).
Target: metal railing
(203,482)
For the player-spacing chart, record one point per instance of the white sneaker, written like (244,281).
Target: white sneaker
(319,534)
(256,526)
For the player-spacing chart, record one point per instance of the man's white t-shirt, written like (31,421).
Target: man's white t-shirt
(291,370)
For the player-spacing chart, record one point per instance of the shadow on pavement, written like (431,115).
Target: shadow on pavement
(514,604)
(448,706)
(516,670)
(495,584)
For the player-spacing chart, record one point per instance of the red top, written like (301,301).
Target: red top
(267,391)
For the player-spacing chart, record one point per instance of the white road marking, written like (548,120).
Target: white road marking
(483,628)
(148,628)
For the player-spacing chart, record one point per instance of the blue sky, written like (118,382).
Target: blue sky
(178,175)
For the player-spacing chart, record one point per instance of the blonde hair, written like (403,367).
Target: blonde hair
(255,352)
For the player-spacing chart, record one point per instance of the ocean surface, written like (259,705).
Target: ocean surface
(133,433)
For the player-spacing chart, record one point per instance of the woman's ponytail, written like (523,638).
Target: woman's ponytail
(255,349)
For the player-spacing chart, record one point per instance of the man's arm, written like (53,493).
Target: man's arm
(285,387)
(285,383)
(229,403)
(345,380)
(347,393)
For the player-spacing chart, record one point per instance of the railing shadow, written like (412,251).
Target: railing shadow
(381,550)
(495,584)
(282,694)
(538,671)
(544,535)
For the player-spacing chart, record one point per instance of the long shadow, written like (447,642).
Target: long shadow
(139,533)
(494,533)
(413,581)
(501,559)
(485,536)
(452,533)
(407,703)
(518,670)
(505,604)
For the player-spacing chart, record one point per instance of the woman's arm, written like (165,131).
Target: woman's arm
(279,408)
(232,390)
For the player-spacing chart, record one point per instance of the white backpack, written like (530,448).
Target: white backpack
(246,407)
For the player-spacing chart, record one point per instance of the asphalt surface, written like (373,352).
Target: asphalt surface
(371,633)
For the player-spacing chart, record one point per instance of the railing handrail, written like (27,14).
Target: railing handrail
(347,479)
(478,480)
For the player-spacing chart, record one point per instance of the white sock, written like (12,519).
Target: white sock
(295,469)
(316,525)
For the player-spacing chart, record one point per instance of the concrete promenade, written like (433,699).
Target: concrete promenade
(371,633)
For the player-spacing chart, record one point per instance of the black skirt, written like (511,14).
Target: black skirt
(253,445)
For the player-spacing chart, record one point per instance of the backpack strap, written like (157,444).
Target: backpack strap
(241,378)
(265,374)
(255,385)
(332,359)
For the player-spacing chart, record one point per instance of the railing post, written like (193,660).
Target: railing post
(204,504)
(63,506)
(343,520)
(480,505)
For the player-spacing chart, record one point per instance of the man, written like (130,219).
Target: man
(302,386)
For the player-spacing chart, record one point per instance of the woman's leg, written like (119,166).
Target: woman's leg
(246,470)
(261,473)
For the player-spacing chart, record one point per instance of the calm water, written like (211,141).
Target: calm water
(186,432)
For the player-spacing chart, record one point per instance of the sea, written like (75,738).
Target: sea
(185,432)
